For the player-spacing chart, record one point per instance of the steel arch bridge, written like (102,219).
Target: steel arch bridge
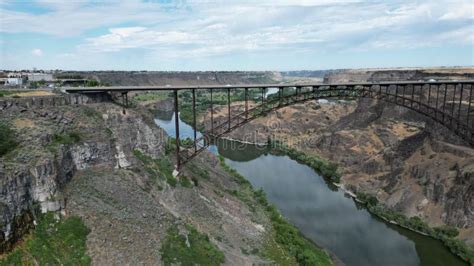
(449,103)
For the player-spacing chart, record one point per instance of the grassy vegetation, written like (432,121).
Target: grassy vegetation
(90,112)
(66,138)
(286,235)
(52,243)
(7,139)
(325,168)
(68,76)
(305,252)
(4,93)
(329,170)
(184,182)
(446,234)
(157,168)
(275,252)
(198,171)
(237,177)
(193,249)
(93,83)
(151,96)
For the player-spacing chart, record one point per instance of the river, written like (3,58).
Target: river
(321,211)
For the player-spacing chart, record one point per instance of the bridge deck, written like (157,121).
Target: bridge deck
(449,103)
(241,86)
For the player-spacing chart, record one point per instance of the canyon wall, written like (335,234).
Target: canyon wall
(162,78)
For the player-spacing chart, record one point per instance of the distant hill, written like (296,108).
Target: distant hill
(162,78)
(399,74)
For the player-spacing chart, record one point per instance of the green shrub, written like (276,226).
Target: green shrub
(150,96)
(200,251)
(198,171)
(53,243)
(67,138)
(92,113)
(299,247)
(92,83)
(157,168)
(444,233)
(7,139)
(171,181)
(460,248)
(446,230)
(327,169)
(368,199)
(184,182)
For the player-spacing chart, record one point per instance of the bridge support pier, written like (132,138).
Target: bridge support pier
(469,107)
(124,101)
(228,107)
(246,103)
(176,120)
(194,120)
(280,93)
(212,115)
(460,103)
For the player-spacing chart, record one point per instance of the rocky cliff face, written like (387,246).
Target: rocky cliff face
(411,163)
(375,75)
(32,176)
(162,78)
(113,170)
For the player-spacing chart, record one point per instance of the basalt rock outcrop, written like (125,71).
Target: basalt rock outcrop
(114,171)
(397,74)
(32,176)
(162,78)
(409,162)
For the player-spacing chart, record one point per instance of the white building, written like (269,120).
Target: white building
(39,77)
(13,81)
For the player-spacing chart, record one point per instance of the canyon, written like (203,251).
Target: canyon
(114,169)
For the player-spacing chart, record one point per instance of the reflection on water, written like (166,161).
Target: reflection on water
(166,120)
(323,213)
(240,152)
(334,221)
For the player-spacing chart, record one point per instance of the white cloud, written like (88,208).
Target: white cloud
(217,28)
(137,37)
(73,18)
(37,52)
(205,28)
(459,10)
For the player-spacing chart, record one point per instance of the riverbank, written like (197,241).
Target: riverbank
(273,118)
(329,170)
(303,251)
(328,216)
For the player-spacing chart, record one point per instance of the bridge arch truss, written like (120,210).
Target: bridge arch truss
(449,103)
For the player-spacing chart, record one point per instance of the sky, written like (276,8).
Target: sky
(213,35)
